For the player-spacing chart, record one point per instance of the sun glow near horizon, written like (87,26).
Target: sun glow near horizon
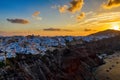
(115,27)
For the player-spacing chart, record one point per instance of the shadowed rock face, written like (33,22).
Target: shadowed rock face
(64,64)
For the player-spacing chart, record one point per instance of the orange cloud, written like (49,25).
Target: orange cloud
(76,5)
(103,18)
(20,21)
(63,9)
(111,4)
(109,21)
(36,13)
(36,16)
(81,16)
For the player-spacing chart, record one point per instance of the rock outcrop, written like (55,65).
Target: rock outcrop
(73,63)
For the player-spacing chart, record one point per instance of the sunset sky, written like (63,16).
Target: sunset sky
(58,17)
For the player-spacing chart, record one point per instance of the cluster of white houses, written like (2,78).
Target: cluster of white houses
(9,46)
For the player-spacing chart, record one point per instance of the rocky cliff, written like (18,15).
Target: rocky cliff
(73,63)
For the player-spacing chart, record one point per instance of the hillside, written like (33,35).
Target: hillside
(71,63)
(107,32)
(107,45)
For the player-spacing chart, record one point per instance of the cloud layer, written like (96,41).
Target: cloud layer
(20,21)
(56,29)
(99,21)
(111,4)
(88,29)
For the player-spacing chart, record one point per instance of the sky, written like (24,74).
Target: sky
(58,17)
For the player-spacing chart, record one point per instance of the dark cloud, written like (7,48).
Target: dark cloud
(52,29)
(57,29)
(76,5)
(67,30)
(20,21)
(111,4)
(87,29)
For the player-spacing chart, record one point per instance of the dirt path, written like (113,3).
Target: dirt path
(110,70)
